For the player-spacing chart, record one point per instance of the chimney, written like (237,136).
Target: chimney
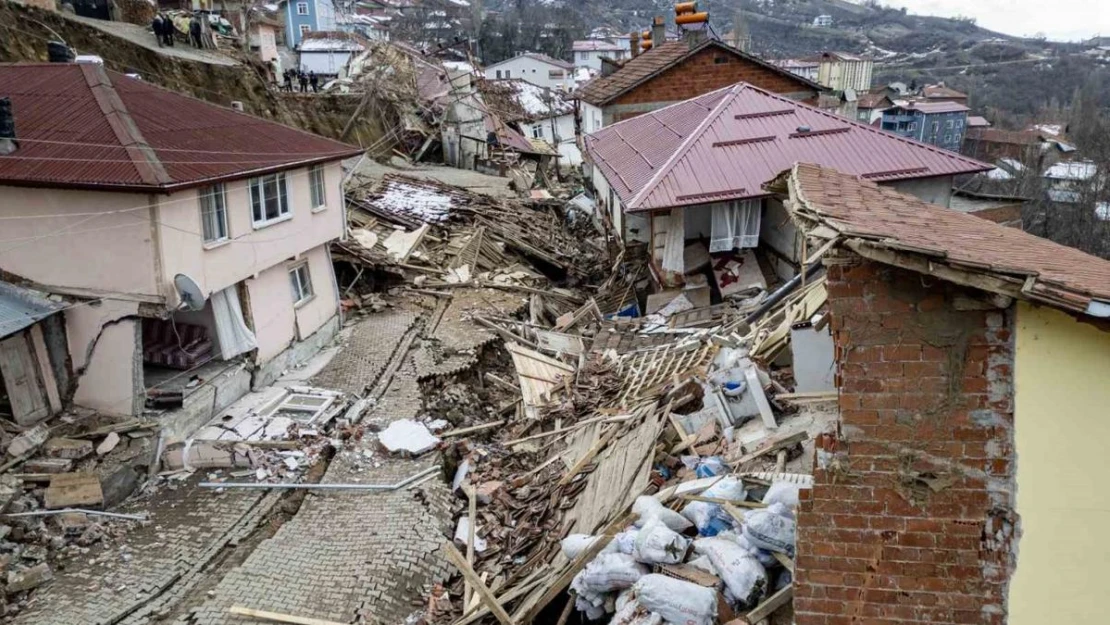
(692,23)
(658,31)
(634,43)
(608,66)
(8,144)
(59,52)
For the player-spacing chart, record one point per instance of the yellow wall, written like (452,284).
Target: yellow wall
(1062,428)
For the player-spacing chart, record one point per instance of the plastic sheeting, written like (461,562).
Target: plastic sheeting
(735,225)
(231,330)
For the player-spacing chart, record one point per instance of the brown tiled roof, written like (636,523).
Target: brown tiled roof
(873,101)
(880,217)
(940,92)
(633,72)
(997,135)
(82,126)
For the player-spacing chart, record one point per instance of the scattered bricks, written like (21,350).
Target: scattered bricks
(48,465)
(33,577)
(485,491)
(108,444)
(73,490)
(28,441)
(67,448)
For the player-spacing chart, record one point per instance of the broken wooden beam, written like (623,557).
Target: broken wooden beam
(459,560)
(277,617)
(774,445)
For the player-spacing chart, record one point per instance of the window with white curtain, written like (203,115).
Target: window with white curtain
(734,225)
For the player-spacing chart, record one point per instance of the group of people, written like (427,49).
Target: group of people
(304,80)
(164,30)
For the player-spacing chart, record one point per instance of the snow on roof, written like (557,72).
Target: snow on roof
(595,45)
(1012,163)
(1072,170)
(421,202)
(459,66)
(999,174)
(1051,129)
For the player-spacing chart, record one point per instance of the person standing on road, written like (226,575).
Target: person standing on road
(158,27)
(314,80)
(168,30)
(194,30)
(303,78)
(288,82)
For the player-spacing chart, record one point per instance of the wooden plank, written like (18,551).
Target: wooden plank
(49,381)
(773,446)
(756,388)
(472,578)
(470,430)
(589,456)
(472,522)
(717,500)
(768,607)
(277,617)
(784,560)
(21,378)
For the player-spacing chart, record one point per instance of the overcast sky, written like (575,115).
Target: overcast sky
(1062,20)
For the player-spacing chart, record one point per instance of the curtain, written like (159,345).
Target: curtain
(231,330)
(674,242)
(734,225)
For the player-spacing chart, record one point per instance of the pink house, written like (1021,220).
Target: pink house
(114,193)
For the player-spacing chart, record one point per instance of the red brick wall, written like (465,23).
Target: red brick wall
(911,516)
(701,74)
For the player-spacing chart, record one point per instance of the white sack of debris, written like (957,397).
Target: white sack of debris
(406,435)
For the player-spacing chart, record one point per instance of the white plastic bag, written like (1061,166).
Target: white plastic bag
(647,507)
(677,601)
(729,488)
(608,572)
(574,544)
(703,563)
(626,541)
(765,557)
(771,528)
(741,572)
(658,544)
(786,493)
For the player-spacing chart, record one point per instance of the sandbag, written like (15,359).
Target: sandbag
(608,572)
(677,601)
(658,544)
(741,572)
(766,558)
(786,493)
(574,544)
(626,541)
(709,518)
(632,613)
(729,488)
(647,507)
(771,528)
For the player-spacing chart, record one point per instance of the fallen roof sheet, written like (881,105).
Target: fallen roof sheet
(20,308)
(880,217)
(727,144)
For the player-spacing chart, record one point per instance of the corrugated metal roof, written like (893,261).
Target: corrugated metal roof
(76,119)
(635,71)
(729,143)
(864,208)
(936,107)
(20,308)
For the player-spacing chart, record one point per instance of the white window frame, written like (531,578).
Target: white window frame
(305,29)
(301,284)
(257,188)
(300,6)
(317,188)
(537,131)
(217,194)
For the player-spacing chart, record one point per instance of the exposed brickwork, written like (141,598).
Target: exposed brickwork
(702,73)
(911,517)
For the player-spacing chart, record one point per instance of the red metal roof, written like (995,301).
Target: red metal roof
(1065,275)
(727,144)
(79,125)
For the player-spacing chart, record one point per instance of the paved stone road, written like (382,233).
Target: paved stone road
(189,525)
(351,557)
(362,360)
(142,36)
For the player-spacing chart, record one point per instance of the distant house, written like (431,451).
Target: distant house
(870,106)
(823,21)
(941,93)
(541,114)
(539,69)
(1034,148)
(840,71)
(589,52)
(305,16)
(193,259)
(977,121)
(265,30)
(372,27)
(798,67)
(1067,179)
(327,53)
(942,124)
(695,170)
(676,71)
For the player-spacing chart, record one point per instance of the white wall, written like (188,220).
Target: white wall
(531,70)
(324,62)
(276,322)
(592,58)
(569,154)
(592,117)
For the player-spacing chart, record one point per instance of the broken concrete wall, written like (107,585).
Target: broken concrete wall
(105,346)
(911,517)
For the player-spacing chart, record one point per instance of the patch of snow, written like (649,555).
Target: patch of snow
(409,436)
(1102,211)
(1072,170)
(1052,129)
(419,202)
(999,174)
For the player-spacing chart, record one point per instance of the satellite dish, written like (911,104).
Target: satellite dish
(189,292)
